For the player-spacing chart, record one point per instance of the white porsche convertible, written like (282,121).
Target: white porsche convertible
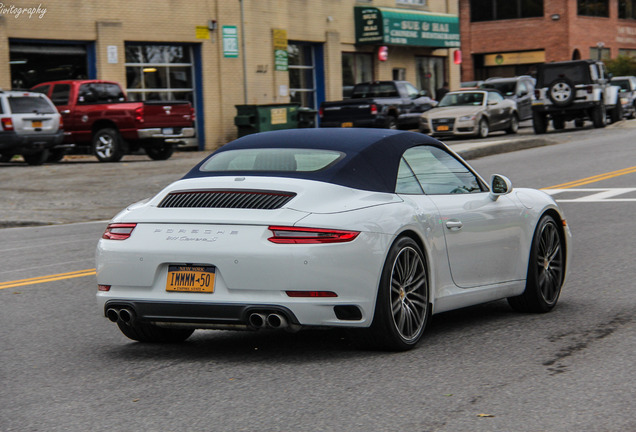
(361,228)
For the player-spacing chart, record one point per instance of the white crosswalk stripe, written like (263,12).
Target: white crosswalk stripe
(593,195)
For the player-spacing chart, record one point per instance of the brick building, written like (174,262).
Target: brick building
(221,53)
(509,37)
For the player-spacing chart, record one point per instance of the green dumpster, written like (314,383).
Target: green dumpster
(307,117)
(261,118)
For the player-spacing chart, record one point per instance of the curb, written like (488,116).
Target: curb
(497,147)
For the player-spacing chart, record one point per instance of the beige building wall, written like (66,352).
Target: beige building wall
(113,23)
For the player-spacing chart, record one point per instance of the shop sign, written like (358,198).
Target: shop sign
(230,41)
(280,50)
(387,26)
(202,32)
(514,58)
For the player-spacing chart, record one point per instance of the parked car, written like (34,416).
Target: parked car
(574,90)
(520,89)
(367,229)
(98,117)
(380,104)
(29,125)
(471,113)
(627,94)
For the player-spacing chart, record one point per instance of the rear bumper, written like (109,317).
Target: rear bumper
(16,143)
(166,133)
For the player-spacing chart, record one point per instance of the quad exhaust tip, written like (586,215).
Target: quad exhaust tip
(124,315)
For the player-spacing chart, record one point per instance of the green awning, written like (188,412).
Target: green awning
(392,26)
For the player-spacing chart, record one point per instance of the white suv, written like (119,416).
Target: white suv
(574,90)
(30,125)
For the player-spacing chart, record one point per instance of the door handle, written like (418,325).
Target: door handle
(65,112)
(454,225)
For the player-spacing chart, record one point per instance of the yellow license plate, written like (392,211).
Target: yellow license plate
(190,278)
(442,128)
(36,123)
(347,124)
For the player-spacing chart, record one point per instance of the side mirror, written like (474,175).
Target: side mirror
(499,185)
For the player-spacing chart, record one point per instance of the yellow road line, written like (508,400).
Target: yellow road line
(594,179)
(49,278)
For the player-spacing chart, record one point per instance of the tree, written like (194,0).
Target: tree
(621,65)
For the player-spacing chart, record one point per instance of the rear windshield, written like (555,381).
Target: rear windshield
(99,93)
(623,84)
(30,104)
(375,90)
(507,88)
(272,159)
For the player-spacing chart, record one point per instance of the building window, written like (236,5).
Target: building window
(491,10)
(356,68)
(627,52)
(159,72)
(627,9)
(597,8)
(602,54)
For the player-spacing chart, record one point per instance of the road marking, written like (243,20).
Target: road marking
(594,195)
(49,278)
(593,179)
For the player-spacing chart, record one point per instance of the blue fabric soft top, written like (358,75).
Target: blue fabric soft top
(371,162)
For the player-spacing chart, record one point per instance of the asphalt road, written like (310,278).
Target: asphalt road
(63,367)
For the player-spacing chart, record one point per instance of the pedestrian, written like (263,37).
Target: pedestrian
(439,93)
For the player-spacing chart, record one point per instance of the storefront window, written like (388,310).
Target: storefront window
(430,74)
(490,10)
(159,72)
(598,8)
(627,9)
(302,74)
(356,68)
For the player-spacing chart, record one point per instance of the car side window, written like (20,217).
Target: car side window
(42,89)
(60,94)
(523,90)
(494,97)
(406,181)
(411,91)
(440,173)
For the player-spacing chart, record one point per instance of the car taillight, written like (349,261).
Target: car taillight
(374,109)
(193,115)
(320,112)
(296,235)
(590,89)
(119,231)
(61,126)
(139,114)
(7,124)
(537,94)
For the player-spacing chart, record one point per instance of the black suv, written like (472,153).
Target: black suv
(519,89)
(574,90)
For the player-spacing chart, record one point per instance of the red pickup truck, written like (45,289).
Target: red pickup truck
(97,115)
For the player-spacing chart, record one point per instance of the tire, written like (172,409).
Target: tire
(160,152)
(6,157)
(539,123)
(545,270)
(562,92)
(36,158)
(598,116)
(514,125)
(108,145)
(56,155)
(144,332)
(402,306)
(616,114)
(482,131)
(558,123)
